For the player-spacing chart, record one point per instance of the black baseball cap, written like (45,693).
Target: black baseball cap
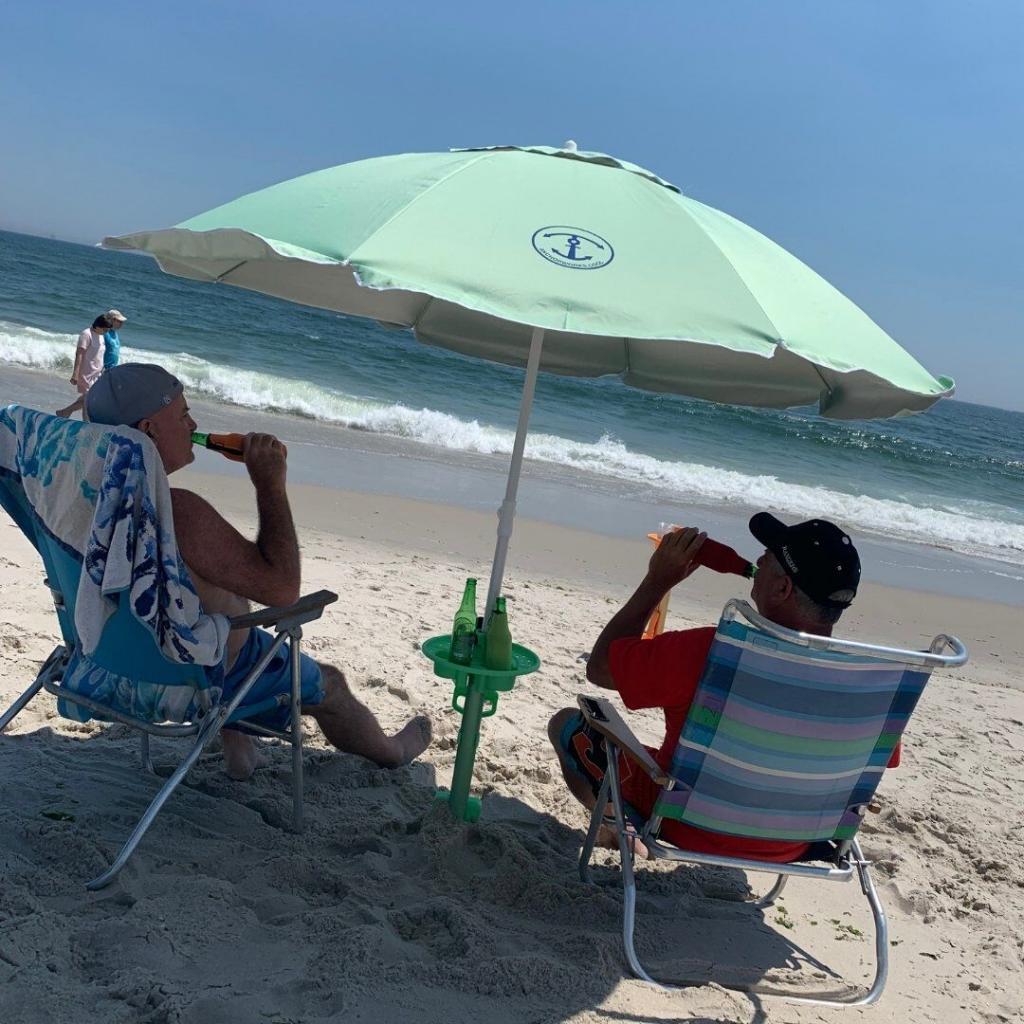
(819,558)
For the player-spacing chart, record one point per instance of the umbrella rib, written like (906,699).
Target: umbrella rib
(739,277)
(817,370)
(409,205)
(419,316)
(220,277)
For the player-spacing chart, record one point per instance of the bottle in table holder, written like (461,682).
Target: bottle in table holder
(464,627)
(499,639)
(481,639)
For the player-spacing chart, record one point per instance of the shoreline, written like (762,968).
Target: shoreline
(575,559)
(386,465)
(351,460)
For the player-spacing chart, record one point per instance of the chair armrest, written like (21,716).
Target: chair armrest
(306,609)
(602,717)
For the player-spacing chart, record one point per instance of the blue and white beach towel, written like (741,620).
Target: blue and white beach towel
(102,493)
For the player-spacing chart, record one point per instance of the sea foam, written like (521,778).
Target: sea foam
(961,528)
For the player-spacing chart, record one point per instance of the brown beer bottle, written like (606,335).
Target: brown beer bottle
(229,445)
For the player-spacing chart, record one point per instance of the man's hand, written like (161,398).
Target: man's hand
(675,557)
(265,459)
(672,561)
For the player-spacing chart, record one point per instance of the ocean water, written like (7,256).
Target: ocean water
(951,478)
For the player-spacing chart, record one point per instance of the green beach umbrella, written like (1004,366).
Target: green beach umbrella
(560,260)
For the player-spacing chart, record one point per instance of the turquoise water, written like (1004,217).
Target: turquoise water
(952,477)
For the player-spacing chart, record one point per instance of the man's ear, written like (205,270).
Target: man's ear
(146,426)
(785,588)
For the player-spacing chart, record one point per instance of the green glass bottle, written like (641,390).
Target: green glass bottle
(499,639)
(464,627)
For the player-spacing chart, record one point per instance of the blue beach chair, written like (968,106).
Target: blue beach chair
(787,738)
(137,647)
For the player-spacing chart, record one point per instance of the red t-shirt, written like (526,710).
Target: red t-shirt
(663,673)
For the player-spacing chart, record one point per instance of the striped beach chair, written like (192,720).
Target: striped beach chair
(137,647)
(787,738)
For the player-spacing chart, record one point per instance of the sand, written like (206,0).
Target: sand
(385,909)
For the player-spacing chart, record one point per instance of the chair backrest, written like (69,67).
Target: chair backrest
(126,649)
(16,505)
(788,735)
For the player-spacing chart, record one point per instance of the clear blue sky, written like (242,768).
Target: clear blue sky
(881,142)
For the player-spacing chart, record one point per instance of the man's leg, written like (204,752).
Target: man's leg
(581,786)
(578,783)
(352,727)
(240,754)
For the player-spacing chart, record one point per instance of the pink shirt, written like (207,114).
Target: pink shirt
(91,345)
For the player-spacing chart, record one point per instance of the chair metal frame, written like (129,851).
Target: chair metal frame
(849,859)
(287,622)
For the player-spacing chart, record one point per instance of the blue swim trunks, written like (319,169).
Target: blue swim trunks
(268,702)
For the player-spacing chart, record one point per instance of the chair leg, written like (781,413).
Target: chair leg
(628,877)
(210,729)
(629,910)
(773,893)
(49,669)
(297,808)
(144,753)
(18,706)
(881,929)
(596,818)
(872,995)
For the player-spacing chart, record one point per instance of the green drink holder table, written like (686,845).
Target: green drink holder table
(475,698)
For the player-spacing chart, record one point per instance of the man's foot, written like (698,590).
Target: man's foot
(608,839)
(411,740)
(240,757)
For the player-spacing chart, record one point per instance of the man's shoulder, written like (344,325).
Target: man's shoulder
(685,648)
(190,503)
(694,636)
(667,650)
(193,514)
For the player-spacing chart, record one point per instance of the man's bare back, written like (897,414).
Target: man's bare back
(230,570)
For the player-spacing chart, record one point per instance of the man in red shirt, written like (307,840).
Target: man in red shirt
(807,575)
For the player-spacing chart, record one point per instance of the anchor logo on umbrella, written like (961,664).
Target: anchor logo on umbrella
(575,248)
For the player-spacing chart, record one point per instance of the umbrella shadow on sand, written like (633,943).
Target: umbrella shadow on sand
(385,909)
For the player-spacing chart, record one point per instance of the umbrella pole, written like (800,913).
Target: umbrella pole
(507,511)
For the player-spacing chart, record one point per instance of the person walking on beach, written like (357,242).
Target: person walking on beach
(111,340)
(88,361)
(807,576)
(229,571)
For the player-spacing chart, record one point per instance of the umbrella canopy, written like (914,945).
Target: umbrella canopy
(572,262)
(474,248)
